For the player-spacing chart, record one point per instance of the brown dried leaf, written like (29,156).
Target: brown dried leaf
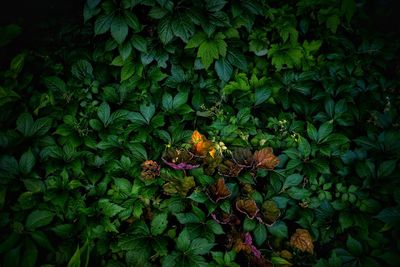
(302,240)
(265,159)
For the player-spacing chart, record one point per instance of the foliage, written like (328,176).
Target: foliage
(202,133)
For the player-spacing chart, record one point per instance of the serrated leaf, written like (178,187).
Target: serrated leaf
(196,40)
(38,218)
(182,26)
(208,51)
(109,209)
(165,30)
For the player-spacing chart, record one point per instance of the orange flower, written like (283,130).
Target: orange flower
(302,240)
(201,146)
(265,159)
(197,137)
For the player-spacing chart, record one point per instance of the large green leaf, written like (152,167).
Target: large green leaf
(119,29)
(38,218)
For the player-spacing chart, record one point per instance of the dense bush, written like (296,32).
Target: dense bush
(201,133)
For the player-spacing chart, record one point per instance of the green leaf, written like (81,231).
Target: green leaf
(185,218)
(324,130)
(224,69)
(147,111)
(55,84)
(165,30)
(182,26)
(132,21)
(354,246)
(208,51)
(261,95)
(348,8)
(260,234)
(237,59)
(390,215)
(30,254)
(215,5)
(25,124)
(183,241)
(333,22)
(102,24)
(304,147)
(180,99)
(7,95)
(200,246)
(196,40)
(279,229)
(127,70)
(80,257)
(279,261)
(119,29)
(167,102)
(197,196)
(249,224)
(103,112)
(27,162)
(298,193)
(109,209)
(38,218)
(292,180)
(386,168)
(215,227)
(139,42)
(312,132)
(159,223)
(41,126)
